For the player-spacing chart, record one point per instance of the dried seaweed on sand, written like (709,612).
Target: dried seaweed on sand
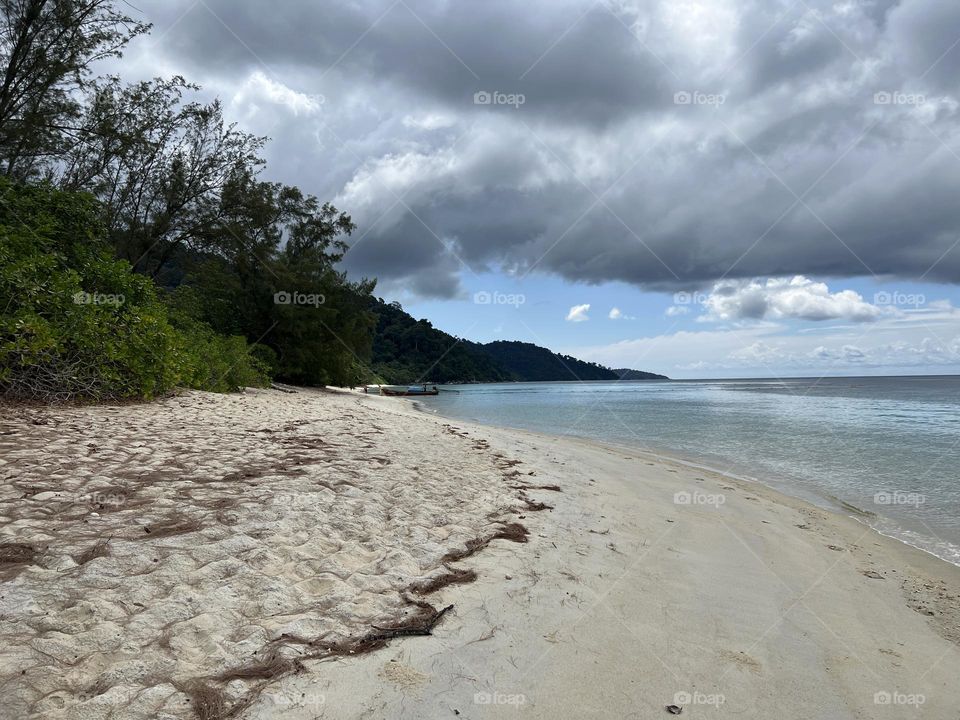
(514,532)
(450,576)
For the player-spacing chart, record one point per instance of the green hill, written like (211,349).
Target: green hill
(627,374)
(533,363)
(406,350)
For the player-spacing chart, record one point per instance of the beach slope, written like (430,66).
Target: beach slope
(284,555)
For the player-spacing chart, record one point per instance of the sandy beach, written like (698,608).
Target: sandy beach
(322,554)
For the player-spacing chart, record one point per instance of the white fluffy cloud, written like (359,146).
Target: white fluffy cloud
(259,89)
(782,298)
(921,341)
(578,313)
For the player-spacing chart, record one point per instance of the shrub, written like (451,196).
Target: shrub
(219,363)
(73,321)
(77,324)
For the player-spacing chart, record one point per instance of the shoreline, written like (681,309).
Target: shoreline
(818,498)
(916,570)
(305,518)
(830,504)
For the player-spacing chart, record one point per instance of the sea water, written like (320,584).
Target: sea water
(884,449)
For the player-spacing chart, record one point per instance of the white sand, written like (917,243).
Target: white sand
(317,510)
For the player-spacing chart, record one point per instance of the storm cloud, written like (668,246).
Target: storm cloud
(667,143)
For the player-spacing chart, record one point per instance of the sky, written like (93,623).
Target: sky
(699,188)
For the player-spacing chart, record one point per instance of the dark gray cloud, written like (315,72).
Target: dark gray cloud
(655,145)
(924,41)
(440,51)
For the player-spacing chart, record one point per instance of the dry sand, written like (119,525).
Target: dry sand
(249,532)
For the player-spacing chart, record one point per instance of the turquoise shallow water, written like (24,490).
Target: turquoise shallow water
(889,446)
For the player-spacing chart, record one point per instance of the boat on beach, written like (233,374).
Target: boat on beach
(410,391)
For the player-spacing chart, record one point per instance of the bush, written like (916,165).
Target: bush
(218,363)
(77,324)
(73,321)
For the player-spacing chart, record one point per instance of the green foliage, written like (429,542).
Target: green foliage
(628,374)
(47,48)
(218,363)
(174,190)
(74,322)
(77,324)
(159,164)
(212,361)
(287,297)
(264,358)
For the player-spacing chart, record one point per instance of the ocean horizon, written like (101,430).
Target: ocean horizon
(883,449)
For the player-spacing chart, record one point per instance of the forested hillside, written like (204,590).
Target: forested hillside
(406,350)
(628,374)
(534,363)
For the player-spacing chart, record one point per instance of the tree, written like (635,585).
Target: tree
(268,270)
(76,324)
(47,48)
(177,193)
(323,341)
(159,166)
